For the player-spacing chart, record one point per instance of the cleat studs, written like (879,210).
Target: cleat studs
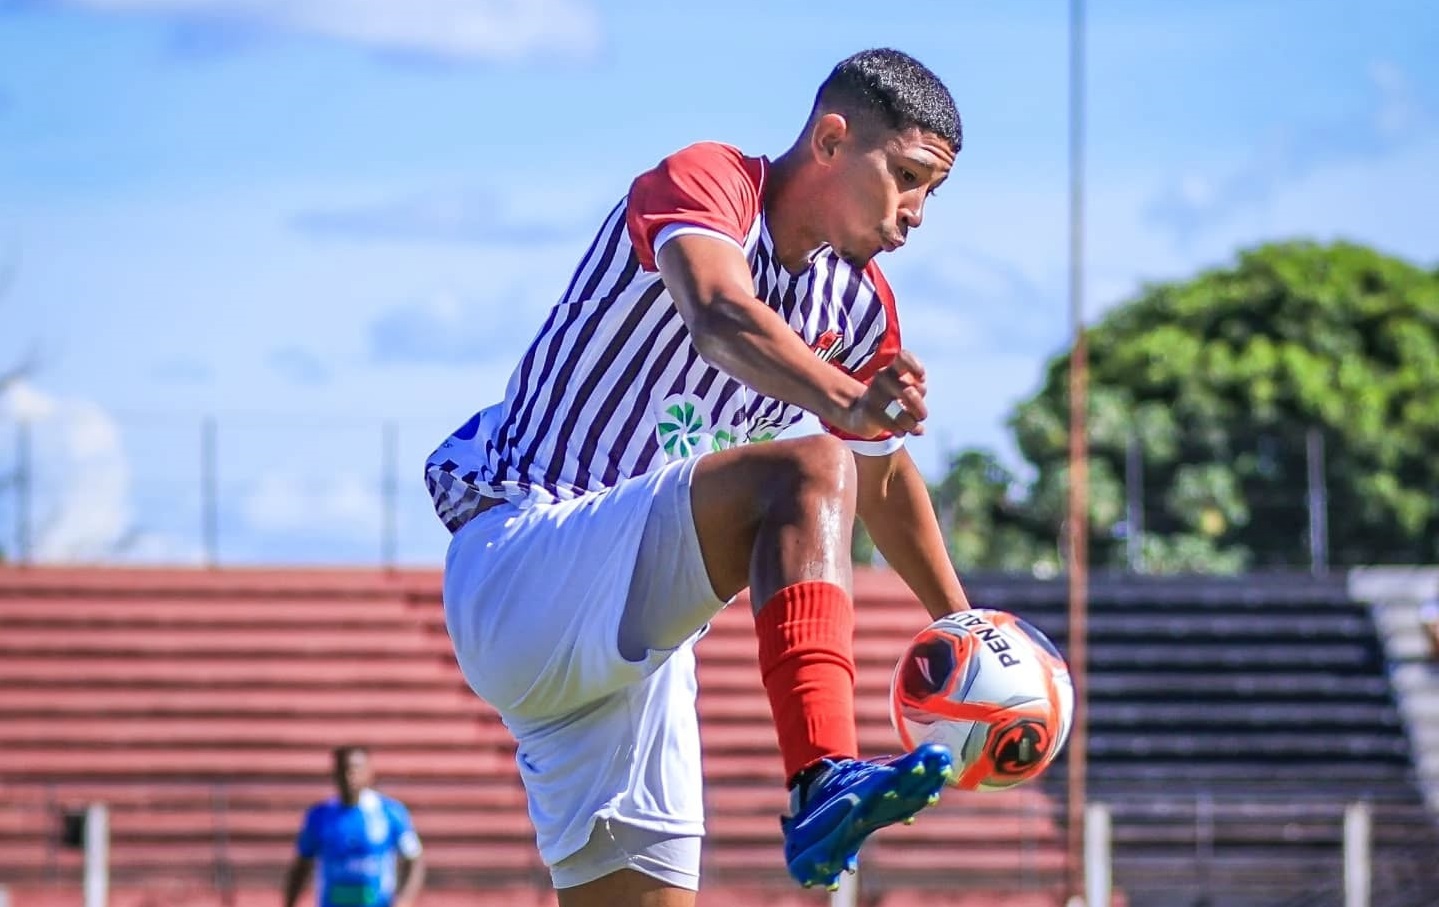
(933,800)
(832,886)
(918,769)
(947,772)
(909,821)
(807,885)
(891,795)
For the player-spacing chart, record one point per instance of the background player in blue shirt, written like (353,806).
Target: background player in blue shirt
(365,843)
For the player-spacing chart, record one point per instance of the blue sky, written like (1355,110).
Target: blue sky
(308,217)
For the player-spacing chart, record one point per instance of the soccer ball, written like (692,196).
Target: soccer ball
(990,687)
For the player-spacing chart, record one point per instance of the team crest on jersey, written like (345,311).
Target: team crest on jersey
(827,345)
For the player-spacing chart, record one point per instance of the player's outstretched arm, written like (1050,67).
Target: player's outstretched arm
(893,501)
(734,331)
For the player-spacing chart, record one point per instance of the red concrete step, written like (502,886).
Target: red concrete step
(263,732)
(227,643)
(178,856)
(434,826)
(723,738)
(61,764)
(498,791)
(111,702)
(276,612)
(187,670)
(753,710)
(231,582)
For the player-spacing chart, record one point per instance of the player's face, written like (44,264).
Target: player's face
(881,184)
(353,774)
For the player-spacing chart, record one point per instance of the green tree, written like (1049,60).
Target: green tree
(1220,379)
(987,524)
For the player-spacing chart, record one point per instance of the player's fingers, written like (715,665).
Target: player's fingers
(906,410)
(885,386)
(906,363)
(914,404)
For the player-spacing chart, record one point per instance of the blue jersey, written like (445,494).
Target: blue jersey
(356,847)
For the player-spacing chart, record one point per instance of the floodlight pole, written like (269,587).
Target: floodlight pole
(1077,522)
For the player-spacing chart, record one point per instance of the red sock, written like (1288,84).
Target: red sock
(806,657)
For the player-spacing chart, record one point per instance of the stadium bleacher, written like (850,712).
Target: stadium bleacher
(201,707)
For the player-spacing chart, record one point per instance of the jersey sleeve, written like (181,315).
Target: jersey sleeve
(707,188)
(307,842)
(402,830)
(872,351)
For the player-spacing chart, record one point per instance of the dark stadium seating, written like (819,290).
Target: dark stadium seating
(201,705)
(1231,722)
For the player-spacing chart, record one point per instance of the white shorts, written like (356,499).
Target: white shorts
(673,859)
(533,602)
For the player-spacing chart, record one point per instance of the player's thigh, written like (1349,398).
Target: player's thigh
(734,490)
(626,888)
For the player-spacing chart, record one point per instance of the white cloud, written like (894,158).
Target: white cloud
(81,485)
(288,502)
(452,215)
(455,29)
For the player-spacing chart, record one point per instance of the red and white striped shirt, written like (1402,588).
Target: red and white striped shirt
(612,385)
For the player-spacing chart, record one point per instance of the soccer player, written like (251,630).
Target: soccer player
(613,502)
(366,845)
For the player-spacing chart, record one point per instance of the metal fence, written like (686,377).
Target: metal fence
(1249,851)
(266,488)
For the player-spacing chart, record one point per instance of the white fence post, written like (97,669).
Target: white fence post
(847,895)
(1357,869)
(97,855)
(1097,860)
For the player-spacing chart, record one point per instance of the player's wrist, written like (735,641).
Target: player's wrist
(842,399)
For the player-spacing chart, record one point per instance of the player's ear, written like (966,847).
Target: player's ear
(826,136)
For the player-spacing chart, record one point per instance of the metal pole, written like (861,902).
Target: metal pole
(847,894)
(1356,855)
(389,488)
(24,487)
(1097,860)
(1134,504)
(209,491)
(97,855)
(1078,461)
(1318,504)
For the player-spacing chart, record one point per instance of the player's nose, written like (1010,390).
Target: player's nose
(911,213)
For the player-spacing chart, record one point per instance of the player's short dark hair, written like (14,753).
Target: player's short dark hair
(895,87)
(341,754)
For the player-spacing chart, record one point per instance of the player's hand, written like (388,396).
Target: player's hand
(893,402)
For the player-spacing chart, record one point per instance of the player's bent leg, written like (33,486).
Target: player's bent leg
(779,516)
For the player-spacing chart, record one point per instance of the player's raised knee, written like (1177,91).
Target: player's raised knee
(818,467)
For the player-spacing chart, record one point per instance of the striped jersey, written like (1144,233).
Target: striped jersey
(612,385)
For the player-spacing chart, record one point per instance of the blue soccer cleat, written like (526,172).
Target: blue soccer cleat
(850,800)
